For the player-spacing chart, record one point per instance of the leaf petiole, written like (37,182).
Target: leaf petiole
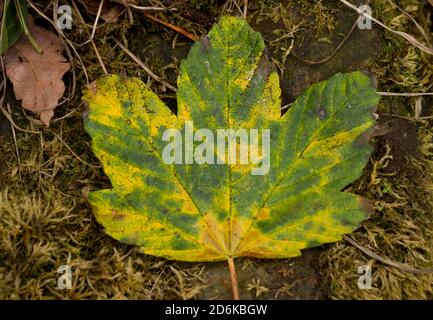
(234,279)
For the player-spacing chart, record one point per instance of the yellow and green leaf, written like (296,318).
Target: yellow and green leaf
(211,212)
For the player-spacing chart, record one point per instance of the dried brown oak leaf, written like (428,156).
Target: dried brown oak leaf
(37,78)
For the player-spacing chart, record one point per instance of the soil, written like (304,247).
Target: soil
(353,55)
(401,135)
(297,278)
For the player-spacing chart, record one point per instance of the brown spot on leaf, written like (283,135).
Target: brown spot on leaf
(117,215)
(366,205)
(205,43)
(321,114)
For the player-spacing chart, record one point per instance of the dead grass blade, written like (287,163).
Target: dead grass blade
(145,68)
(400,266)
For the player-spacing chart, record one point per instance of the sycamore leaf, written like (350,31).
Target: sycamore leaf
(37,77)
(210,212)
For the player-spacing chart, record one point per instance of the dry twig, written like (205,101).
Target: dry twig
(191,36)
(145,68)
(400,266)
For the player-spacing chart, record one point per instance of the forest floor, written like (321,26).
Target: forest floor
(45,173)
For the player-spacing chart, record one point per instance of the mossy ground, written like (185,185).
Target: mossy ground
(45,173)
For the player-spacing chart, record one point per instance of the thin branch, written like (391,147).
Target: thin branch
(150,8)
(245,9)
(397,94)
(420,29)
(191,36)
(104,69)
(145,68)
(95,24)
(400,266)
